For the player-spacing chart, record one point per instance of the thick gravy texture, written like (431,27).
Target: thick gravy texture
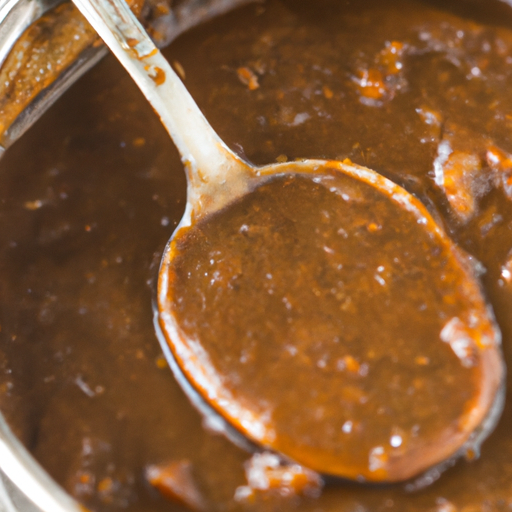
(418,90)
(334,325)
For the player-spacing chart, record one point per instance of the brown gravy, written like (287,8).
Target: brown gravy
(346,334)
(92,193)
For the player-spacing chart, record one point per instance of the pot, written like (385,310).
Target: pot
(24,484)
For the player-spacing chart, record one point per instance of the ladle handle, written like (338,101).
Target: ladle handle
(200,147)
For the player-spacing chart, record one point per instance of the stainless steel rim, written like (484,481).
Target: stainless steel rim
(35,485)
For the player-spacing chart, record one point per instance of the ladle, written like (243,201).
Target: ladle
(314,305)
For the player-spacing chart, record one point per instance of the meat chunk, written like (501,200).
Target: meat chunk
(175,481)
(457,172)
(268,473)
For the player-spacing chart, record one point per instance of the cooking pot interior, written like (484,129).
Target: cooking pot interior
(91,193)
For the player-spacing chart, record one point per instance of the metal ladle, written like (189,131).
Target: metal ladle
(218,178)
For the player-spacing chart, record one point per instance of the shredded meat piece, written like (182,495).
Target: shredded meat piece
(266,472)
(176,482)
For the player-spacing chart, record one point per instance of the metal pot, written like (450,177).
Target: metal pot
(24,484)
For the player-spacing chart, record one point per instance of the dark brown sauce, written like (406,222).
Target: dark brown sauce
(91,195)
(340,328)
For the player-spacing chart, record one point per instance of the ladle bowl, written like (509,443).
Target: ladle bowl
(219,179)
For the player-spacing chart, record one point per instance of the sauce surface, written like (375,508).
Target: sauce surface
(90,196)
(338,327)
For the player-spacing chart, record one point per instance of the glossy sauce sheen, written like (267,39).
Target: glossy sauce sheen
(348,331)
(90,196)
